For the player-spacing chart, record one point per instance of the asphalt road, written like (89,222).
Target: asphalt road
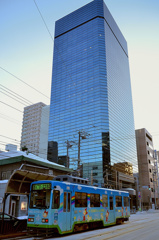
(143,226)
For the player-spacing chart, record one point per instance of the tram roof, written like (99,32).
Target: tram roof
(87,186)
(94,187)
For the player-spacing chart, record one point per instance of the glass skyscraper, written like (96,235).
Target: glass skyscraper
(91,113)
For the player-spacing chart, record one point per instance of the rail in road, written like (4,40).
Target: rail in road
(141,226)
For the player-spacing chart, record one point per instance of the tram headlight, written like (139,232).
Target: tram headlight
(45,220)
(30,219)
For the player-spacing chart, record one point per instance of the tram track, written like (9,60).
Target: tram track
(107,235)
(129,229)
(115,233)
(29,237)
(140,225)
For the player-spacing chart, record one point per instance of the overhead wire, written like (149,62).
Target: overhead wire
(24,82)
(8,118)
(15,94)
(52,37)
(9,138)
(12,98)
(10,106)
(43,20)
(48,32)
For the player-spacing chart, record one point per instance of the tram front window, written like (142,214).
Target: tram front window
(40,198)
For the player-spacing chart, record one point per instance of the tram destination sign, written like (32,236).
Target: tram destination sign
(41,186)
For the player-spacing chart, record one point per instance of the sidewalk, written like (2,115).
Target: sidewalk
(11,235)
(148,211)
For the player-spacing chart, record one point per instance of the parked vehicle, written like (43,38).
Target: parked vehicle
(65,207)
(12,224)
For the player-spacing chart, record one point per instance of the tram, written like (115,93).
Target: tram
(64,207)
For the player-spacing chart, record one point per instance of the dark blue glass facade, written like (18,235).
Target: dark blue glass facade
(91,92)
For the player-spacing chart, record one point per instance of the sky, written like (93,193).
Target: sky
(26,55)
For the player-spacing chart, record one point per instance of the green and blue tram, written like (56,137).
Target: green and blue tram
(65,207)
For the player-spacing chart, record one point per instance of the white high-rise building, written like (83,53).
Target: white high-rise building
(35,129)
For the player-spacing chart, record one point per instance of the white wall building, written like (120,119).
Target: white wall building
(35,129)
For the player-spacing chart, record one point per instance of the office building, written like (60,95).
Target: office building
(91,101)
(34,136)
(147,169)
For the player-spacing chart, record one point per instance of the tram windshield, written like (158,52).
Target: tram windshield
(40,196)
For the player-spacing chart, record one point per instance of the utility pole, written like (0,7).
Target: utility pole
(81,135)
(91,177)
(79,148)
(154,173)
(69,144)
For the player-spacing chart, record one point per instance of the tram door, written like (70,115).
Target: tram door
(67,211)
(111,209)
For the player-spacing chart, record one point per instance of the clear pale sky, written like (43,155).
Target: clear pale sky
(26,51)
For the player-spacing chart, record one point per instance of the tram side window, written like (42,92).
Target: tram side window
(104,201)
(118,201)
(126,202)
(56,199)
(80,199)
(94,200)
(111,203)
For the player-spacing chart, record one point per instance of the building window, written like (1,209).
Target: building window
(8,174)
(4,175)
(95,181)
(150,170)
(95,168)
(95,174)
(148,137)
(149,161)
(148,152)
